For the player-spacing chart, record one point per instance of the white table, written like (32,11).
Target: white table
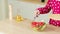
(12,27)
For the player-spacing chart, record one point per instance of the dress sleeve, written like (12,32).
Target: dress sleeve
(46,9)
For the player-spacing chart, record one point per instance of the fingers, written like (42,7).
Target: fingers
(36,13)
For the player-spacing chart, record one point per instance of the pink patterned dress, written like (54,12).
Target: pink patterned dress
(55,6)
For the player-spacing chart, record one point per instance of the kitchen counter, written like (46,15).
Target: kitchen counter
(34,1)
(23,27)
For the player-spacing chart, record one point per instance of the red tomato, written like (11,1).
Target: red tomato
(41,23)
(34,24)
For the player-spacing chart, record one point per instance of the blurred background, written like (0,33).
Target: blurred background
(24,8)
(3,9)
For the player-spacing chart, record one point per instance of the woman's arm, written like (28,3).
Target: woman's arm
(46,9)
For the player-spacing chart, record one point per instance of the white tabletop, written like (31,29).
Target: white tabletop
(12,27)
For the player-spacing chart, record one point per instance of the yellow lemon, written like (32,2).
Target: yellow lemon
(19,18)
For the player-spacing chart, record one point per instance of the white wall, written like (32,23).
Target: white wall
(27,9)
(3,9)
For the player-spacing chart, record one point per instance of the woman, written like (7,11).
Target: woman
(55,6)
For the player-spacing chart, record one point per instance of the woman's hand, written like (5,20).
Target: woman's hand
(36,13)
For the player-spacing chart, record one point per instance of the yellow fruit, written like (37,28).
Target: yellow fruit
(19,18)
